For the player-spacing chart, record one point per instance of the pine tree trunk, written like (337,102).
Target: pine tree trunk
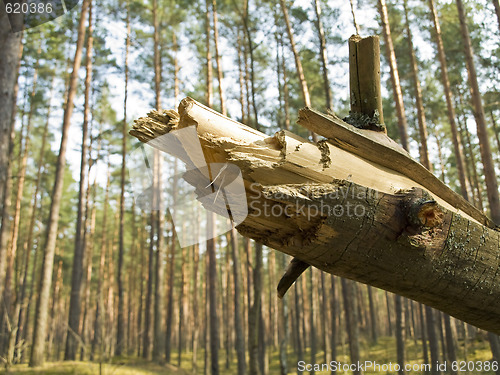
(41,315)
(323,55)
(11,47)
(352,323)
(240,334)
(120,329)
(28,242)
(451,342)
(433,340)
(98,340)
(396,85)
(419,102)
(482,131)
(298,64)
(449,102)
(284,335)
(75,304)
(400,333)
(373,315)
(254,313)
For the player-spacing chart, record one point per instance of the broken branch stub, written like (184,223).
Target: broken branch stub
(333,208)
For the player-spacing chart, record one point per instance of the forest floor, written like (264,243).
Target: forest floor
(383,352)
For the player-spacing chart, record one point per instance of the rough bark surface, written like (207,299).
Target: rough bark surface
(351,216)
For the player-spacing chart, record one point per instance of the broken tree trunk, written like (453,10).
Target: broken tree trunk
(354,205)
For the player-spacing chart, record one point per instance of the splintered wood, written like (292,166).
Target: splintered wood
(353,205)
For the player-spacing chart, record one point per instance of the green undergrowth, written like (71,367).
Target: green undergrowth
(382,352)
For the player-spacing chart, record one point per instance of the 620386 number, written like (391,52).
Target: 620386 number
(17,8)
(474,366)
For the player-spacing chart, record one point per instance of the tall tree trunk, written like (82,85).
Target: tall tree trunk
(156,215)
(41,315)
(449,102)
(283,326)
(196,325)
(482,131)
(298,63)
(120,329)
(74,335)
(12,248)
(240,334)
(334,302)
(255,312)
(451,342)
(158,335)
(323,55)
(400,332)
(373,315)
(28,242)
(218,58)
(396,85)
(98,340)
(351,317)
(11,47)
(433,340)
(419,102)
(312,323)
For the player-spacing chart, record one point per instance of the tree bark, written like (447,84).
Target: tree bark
(73,338)
(457,147)
(419,102)
(41,315)
(396,85)
(482,131)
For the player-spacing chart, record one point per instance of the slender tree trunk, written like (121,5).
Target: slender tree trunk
(196,326)
(396,85)
(156,216)
(74,335)
(482,132)
(356,27)
(433,340)
(323,55)
(423,333)
(218,58)
(351,316)
(451,342)
(334,301)
(28,242)
(449,102)
(298,64)
(254,313)
(240,338)
(12,315)
(283,325)
(182,307)
(98,340)
(312,323)
(373,315)
(419,102)
(400,332)
(11,47)
(158,335)
(41,315)
(120,329)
